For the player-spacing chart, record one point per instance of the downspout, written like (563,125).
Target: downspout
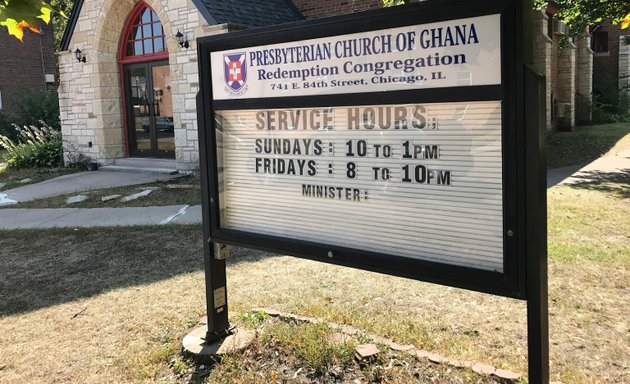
(41,52)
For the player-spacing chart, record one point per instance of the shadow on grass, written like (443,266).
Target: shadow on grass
(583,145)
(42,268)
(614,183)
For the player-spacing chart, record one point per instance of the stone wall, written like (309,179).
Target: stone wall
(584,79)
(566,86)
(554,78)
(91,93)
(606,64)
(570,83)
(542,58)
(624,63)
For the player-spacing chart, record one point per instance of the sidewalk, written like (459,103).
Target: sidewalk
(17,218)
(617,163)
(81,182)
(12,218)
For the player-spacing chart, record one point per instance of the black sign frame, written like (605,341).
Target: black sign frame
(522,92)
(511,282)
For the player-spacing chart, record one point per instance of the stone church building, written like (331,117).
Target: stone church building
(130,92)
(128,96)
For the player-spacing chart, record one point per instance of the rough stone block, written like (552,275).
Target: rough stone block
(507,375)
(109,197)
(483,369)
(76,199)
(194,343)
(365,351)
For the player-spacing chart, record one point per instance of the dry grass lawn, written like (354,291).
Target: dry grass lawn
(104,306)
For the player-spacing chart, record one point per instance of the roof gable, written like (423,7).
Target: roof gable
(72,22)
(248,13)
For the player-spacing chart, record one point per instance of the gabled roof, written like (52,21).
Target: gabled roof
(72,22)
(248,13)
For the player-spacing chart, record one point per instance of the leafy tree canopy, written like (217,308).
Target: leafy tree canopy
(18,15)
(61,8)
(580,14)
(577,14)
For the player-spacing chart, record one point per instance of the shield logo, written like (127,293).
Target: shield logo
(235,70)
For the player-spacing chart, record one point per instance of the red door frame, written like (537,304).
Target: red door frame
(124,59)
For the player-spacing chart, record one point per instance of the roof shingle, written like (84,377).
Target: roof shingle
(248,13)
(251,13)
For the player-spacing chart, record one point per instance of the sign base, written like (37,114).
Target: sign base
(195,344)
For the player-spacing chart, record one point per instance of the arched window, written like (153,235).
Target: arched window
(144,35)
(146,85)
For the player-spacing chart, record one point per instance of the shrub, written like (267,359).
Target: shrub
(610,104)
(33,108)
(6,127)
(35,147)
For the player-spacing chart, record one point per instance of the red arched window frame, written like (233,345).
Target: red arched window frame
(135,21)
(143,37)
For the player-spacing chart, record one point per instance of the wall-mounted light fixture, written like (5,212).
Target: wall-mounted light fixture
(181,39)
(80,55)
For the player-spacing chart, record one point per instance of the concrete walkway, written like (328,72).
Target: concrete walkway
(12,218)
(81,182)
(22,218)
(16,218)
(617,163)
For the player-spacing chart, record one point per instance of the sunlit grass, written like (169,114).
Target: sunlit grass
(587,225)
(111,305)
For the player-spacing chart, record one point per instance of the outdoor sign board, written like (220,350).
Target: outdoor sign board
(391,141)
(385,145)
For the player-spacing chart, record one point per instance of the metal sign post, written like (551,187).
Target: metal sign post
(214,262)
(537,295)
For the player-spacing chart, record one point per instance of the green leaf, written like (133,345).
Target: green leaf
(19,14)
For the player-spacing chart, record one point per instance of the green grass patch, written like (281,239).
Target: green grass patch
(312,344)
(285,351)
(585,144)
(588,224)
(252,320)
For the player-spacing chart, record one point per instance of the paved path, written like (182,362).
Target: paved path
(82,181)
(16,218)
(12,218)
(617,163)
(557,176)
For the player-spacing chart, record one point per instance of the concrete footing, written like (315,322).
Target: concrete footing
(195,344)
